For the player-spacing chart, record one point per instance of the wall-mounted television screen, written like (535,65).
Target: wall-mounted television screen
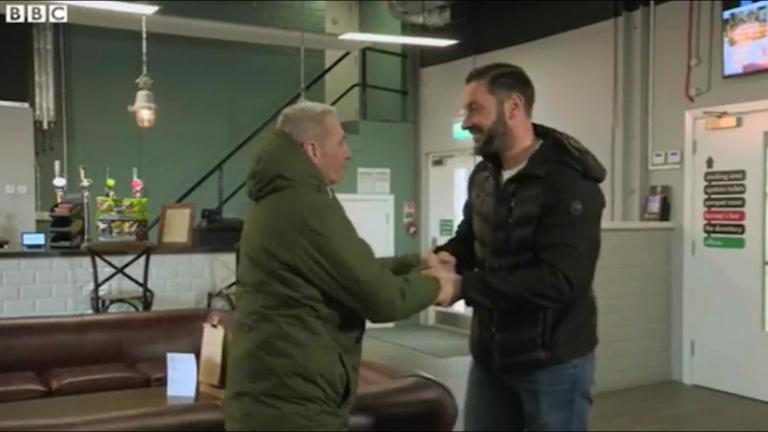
(745,37)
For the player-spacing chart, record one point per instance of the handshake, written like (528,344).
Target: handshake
(442,266)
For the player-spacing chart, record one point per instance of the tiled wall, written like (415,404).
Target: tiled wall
(632,285)
(633,288)
(46,286)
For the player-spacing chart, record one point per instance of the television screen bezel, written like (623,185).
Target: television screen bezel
(722,48)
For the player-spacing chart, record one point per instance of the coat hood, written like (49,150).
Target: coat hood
(566,149)
(279,164)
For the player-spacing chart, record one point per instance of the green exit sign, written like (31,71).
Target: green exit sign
(446,227)
(460,134)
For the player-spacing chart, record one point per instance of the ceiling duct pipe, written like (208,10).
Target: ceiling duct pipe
(424,13)
(50,74)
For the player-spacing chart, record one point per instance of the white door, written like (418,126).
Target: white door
(725,269)
(448,180)
(373,219)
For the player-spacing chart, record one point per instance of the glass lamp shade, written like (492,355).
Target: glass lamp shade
(144,108)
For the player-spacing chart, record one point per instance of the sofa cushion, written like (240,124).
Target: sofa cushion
(154,370)
(86,379)
(200,416)
(21,385)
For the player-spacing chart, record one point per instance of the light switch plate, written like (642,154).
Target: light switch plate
(674,157)
(10,189)
(659,158)
(21,189)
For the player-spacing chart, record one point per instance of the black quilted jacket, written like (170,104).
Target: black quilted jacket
(527,250)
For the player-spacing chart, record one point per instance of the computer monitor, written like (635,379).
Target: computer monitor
(33,240)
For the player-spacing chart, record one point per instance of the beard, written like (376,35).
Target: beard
(491,140)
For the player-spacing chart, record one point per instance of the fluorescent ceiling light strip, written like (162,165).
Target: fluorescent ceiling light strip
(395,39)
(116,6)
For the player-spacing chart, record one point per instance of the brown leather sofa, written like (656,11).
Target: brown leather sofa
(64,355)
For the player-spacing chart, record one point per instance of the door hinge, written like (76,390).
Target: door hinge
(693,347)
(693,247)
(695,146)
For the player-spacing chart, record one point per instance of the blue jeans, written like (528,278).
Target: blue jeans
(557,398)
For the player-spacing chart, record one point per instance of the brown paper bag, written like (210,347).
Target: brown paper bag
(212,355)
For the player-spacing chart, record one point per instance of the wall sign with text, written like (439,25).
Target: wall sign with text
(724,217)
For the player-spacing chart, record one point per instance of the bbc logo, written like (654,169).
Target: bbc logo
(36,13)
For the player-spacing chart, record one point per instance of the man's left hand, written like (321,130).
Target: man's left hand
(442,261)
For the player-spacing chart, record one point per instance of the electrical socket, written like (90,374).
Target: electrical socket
(674,157)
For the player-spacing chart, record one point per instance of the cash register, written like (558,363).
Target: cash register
(217,230)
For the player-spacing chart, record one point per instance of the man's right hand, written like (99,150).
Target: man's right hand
(450,286)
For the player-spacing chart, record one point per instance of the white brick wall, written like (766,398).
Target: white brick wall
(9,292)
(18,307)
(51,306)
(36,292)
(633,289)
(52,286)
(16,277)
(34,264)
(9,264)
(632,284)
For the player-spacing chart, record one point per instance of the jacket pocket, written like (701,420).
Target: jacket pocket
(481,335)
(345,382)
(547,330)
(521,339)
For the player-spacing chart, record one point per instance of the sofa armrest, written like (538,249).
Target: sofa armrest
(415,402)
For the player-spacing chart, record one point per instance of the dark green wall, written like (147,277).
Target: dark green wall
(382,70)
(385,145)
(210,95)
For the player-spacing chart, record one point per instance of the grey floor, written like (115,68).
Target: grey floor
(666,406)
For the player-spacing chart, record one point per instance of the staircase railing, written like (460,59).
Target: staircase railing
(363,85)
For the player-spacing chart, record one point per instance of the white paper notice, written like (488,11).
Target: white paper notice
(373,180)
(182,375)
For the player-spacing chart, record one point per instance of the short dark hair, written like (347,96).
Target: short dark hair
(505,78)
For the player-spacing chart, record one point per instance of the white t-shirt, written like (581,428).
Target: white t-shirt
(507,173)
